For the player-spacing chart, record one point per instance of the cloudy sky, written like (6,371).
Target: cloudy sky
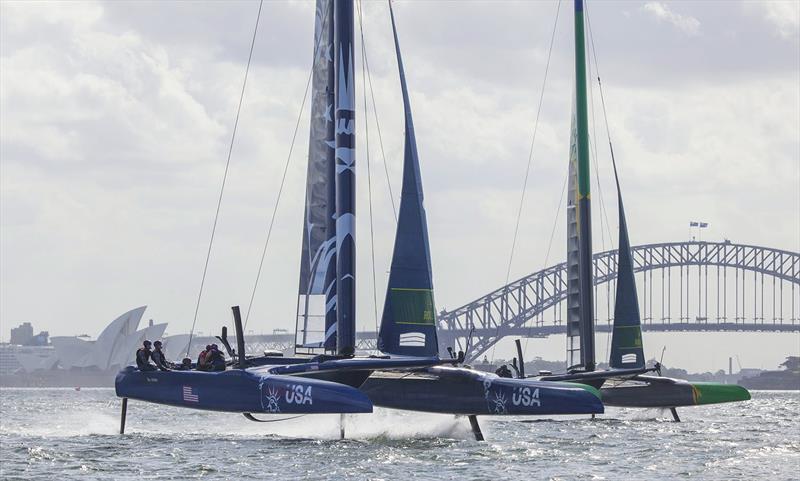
(115,119)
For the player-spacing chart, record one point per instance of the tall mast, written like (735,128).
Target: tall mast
(345,124)
(329,339)
(583,196)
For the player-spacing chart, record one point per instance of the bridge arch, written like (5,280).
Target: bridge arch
(507,310)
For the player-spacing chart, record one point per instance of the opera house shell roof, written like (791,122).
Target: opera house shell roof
(115,347)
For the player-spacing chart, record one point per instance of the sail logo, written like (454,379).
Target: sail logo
(272,400)
(412,339)
(495,399)
(526,397)
(345,126)
(629,358)
(297,394)
(499,402)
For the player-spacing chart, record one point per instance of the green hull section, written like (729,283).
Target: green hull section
(713,393)
(663,392)
(585,387)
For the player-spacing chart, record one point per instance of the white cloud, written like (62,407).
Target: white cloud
(114,130)
(686,23)
(783,15)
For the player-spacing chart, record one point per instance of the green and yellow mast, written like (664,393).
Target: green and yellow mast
(583,204)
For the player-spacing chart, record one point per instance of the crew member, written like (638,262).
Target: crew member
(203,363)
(159,357)
(216,358)
(185,365)
(504,371)
(143,356)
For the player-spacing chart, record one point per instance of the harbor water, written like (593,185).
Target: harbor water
(64,434)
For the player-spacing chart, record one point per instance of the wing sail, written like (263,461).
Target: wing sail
(573,255)
(316,301)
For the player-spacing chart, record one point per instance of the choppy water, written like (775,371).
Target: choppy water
(64,434)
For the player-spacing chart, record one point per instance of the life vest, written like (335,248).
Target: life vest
(158,358)
(143,358)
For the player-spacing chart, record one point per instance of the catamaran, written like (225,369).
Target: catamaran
(298,385)
(326,376)
(626,383)
(409,328)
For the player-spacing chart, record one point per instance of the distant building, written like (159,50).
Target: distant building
(749,371)
(792,363)
(23,336)
(788,378)
(15,358)
(114,348)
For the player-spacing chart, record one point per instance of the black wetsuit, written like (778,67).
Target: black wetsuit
(143,359)
(159,358)
(216,360)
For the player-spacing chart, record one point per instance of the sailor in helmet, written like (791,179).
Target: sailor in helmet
(204,359)
(160,357)
(216,358)
(143,355)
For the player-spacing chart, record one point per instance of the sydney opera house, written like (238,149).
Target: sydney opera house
(74,361)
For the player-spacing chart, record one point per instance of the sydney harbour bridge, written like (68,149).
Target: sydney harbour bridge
(682,286)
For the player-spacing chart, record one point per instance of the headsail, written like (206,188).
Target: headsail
(408,324)
(316,304)
(626,339)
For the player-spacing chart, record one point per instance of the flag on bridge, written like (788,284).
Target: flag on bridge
(693,224)
(704,224)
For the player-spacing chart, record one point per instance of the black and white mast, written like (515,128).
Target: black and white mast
(345,124)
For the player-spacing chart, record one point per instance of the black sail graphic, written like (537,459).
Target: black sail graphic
(408,324)
(316,304)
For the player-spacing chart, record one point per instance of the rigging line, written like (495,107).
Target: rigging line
(380,137)
(378,386)
(603,208)
(533,141)
(593,144)
(550,244)
(283,177)
(530,158)
(224,178)
(605,120)
(369,173)
(602,97)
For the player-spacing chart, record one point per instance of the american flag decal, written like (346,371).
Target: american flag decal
(190,396)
